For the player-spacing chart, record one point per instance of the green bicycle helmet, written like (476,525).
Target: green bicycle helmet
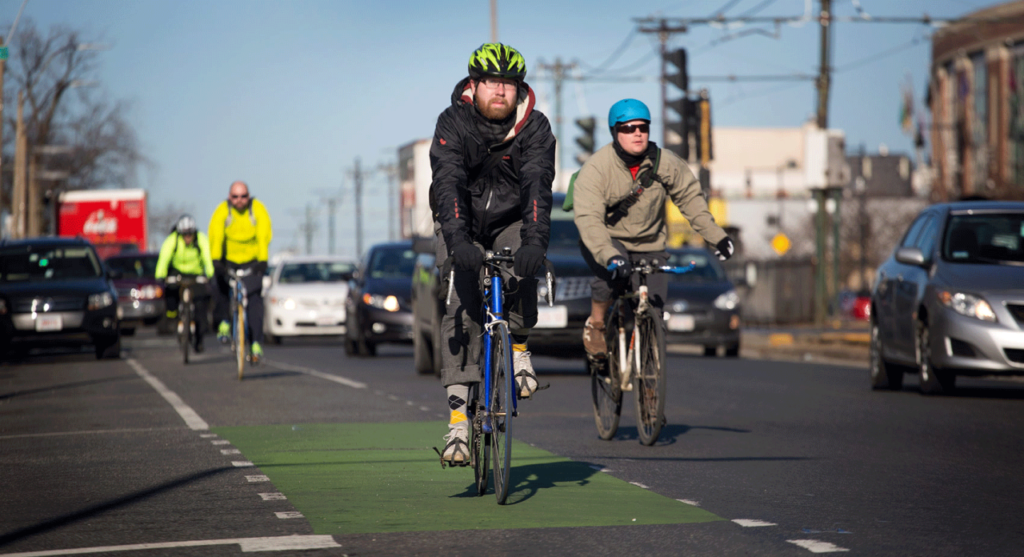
(497,60)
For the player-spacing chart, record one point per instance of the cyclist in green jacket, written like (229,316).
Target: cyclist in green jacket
(186,253)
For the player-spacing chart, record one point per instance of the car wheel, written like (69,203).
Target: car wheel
(350,347)
(933,380)
(710,351)
(421,357)
(732,351)
(108,348)
(273,339)
(883,374)
(366,348)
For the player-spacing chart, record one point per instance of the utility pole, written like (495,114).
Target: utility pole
(34,228)
(494,21)
(330,225)
(357,179)
(390,170)
(20,146)
(558,75)
(825,70)
(308,228)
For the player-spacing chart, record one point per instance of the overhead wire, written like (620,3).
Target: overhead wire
(603,66)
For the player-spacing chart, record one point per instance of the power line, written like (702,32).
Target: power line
(757,8)
(618,52)
(728,6)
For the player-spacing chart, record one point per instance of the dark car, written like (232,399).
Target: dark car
(378,306)
(139,294)
(949,301)
(703,307)
(559,329)
(55,291)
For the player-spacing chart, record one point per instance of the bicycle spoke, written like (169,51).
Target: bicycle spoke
(649,382)
(604,387)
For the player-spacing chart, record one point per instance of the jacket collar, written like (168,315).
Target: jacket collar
(464,95)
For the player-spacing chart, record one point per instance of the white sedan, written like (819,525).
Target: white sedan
(307,297)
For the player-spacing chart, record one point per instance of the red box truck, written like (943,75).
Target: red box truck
(115,221)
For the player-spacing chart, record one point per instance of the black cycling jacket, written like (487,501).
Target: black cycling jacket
(473,206)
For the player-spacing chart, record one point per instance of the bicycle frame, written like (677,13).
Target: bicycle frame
(493,313)
(240,299)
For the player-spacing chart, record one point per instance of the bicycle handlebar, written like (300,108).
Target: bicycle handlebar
(647,268)
(171,279)
(491,258)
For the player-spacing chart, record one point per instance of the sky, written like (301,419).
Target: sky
(288,95)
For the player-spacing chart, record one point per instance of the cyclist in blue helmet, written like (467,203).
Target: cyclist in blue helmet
(619,203)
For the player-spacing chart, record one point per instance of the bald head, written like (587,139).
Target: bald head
(238,195)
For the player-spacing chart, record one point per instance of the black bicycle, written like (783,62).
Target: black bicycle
(186,311)
(638,365)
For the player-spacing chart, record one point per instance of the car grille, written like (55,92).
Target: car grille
(1017,311)
(57,303)
(313,304)
(1014,355)
(571,288)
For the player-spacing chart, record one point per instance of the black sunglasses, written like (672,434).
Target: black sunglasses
(630,128)
(243,196)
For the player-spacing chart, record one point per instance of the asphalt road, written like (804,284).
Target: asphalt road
(147,456)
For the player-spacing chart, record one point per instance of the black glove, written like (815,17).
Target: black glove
(218,267)
(619,267)
(725,249)
(527,260)
(468,257)
(260,268)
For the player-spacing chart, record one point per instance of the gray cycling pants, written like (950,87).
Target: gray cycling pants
(462,324)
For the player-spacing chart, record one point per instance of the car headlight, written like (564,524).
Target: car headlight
(286,303)
(728,301)
(102,300)
(387,303)
(967,304)
(148,292)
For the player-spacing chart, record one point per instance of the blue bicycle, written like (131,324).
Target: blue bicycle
(493,403)
(239,307)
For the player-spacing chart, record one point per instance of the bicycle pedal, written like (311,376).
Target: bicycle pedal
(440,456)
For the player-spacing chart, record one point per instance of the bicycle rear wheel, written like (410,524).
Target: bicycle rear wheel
(604,384)
(649,379)
(184,322)
(501,410)
(480,443)
(240,341)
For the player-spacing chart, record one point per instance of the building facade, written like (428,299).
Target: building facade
(976,98)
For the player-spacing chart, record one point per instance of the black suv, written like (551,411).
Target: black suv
(56,290)
(378,306)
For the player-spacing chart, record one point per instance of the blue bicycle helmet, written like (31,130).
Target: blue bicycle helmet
(625,111)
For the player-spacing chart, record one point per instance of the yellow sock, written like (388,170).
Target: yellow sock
(519,347)
(457,417)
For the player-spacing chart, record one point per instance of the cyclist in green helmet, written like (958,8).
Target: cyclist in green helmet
(493,161)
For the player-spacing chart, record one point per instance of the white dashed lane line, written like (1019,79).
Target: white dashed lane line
(315,373)
(272,496)
(750,523)
(192,420)
(257,478)
(248,545)
(817,546)
(289,514)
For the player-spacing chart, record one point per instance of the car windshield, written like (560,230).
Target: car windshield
(319,271)
(985,238)
(47,263)
(564,235)
(705,269)
(392,263)
(133,267)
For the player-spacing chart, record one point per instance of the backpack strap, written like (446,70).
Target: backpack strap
(621,209)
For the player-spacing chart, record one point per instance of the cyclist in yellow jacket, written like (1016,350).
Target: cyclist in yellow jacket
(186,253)
(240,234)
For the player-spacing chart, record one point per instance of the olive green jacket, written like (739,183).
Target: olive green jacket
(605,180)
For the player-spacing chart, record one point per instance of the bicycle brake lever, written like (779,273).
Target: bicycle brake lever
(551,289)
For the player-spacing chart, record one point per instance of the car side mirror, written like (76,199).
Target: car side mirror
(910,256)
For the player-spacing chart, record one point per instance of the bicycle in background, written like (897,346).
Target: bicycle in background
(186,311)
(239,305)
(637,365)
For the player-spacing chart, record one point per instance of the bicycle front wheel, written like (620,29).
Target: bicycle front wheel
(480,443)
(501,409)
(240,341)
(185,322)
(604,384)
(649,379)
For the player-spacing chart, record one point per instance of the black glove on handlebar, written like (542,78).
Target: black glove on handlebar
(467,257)
(261,267)
(725,249)
(528,260)
(219,267)
(619,267)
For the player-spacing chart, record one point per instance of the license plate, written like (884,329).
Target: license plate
(49,323)
(326,320)
(552,317)
(680,323)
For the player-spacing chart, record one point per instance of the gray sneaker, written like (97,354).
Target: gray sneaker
(456,451)
(526,378)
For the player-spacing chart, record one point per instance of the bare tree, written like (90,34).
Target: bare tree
(57,73)
(163,217)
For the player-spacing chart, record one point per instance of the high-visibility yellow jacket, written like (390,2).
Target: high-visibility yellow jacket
(240,236)
(187,259)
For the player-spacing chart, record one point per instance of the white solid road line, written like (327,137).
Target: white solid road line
(249,545)
(817,546)
(750,523)
(192,420)
(310,371)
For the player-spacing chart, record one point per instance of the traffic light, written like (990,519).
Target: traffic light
(586,140)
(703,119)
(678,137)
(681,78)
